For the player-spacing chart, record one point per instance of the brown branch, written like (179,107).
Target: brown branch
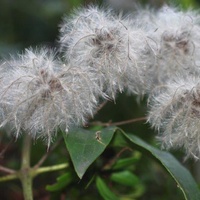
(119,123)
(6,148)
(7,170)
(113,160)
(101,106)
(44,157)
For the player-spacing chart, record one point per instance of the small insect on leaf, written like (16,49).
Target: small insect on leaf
(98,137)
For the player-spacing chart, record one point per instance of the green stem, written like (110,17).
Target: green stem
(25,172)
(35,172)
(9,177)
(50,168)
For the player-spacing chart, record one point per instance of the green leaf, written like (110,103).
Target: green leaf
(75,2)
(62,182)
(104,191)
(185,4)
(126,178)
(125,162)
(85,146)
(179,173)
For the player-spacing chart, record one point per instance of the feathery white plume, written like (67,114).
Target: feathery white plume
(104,44)
(175,113)
(39,94)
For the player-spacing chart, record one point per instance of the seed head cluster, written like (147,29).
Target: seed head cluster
(101,53)
(174,102)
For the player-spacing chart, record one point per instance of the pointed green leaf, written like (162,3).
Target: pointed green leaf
(178,172)
(62,182)
(126,178)
(85,146)
(104,191)
(125,162)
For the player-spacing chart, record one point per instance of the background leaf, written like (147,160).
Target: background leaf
(125,178)
(125,162)
(104,191)
(62,182)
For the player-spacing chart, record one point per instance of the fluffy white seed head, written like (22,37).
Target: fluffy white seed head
(39,95)
(174,41)
(103,43)
(179,36)
(175,113)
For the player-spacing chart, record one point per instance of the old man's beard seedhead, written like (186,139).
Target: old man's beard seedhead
(175,113)
(172,46)
(105,45)
(40,95)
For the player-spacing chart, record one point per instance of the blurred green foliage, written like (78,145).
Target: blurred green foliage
(30,23)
